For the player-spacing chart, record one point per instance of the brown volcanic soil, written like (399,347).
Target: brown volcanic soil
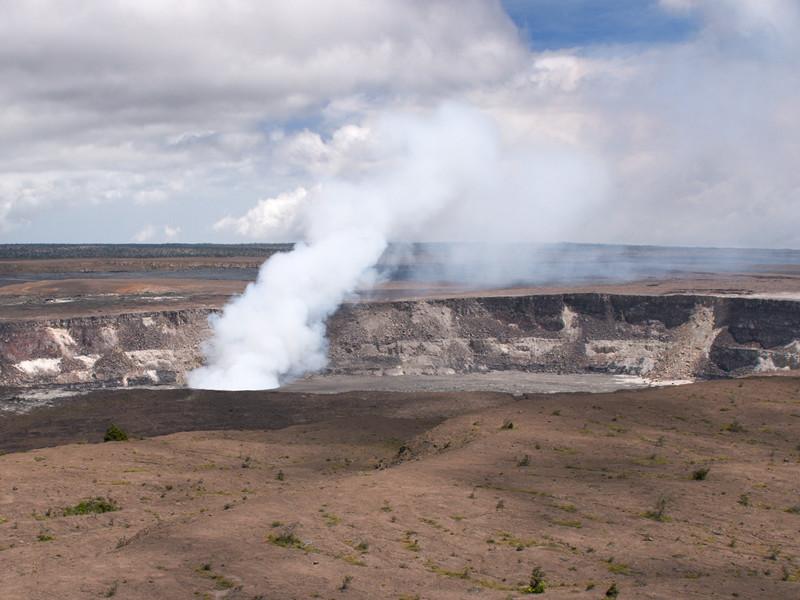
(111,265)
(453,511)
(63,298)
(50,288)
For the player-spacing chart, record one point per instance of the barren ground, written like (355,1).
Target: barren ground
(60,288)
(380,495)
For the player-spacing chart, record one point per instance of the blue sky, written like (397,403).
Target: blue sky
(553,24)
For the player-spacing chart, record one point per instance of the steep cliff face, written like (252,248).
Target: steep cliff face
(129,349)
(660,337)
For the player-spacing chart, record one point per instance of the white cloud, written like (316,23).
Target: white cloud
(273,219)
(153,234)
(171,233)
(145,234)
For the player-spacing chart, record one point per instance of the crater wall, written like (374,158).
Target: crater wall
(657,337)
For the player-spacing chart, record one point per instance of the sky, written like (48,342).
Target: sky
(647,121)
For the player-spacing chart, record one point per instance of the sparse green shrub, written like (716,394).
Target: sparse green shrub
(345,583)
(280,476)
(700,474)
(220,582)
(659,513)
(568,523)
(287,539)
(115,434)
(537,583)
(612,592)
(524,461)
(773,552)
(331,520)
(744,500)
(507,424)
(734,427)
(410,541)
(96,505)
(618,568)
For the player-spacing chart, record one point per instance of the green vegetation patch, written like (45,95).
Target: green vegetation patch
(288,539)
(659,513)
(91,506)
(115,434)
(568,523)
(537,584)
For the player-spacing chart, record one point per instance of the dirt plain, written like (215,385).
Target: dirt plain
(382,495)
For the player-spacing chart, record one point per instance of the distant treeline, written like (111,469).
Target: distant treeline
(51,251)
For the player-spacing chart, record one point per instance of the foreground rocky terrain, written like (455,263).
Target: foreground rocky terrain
(680,492)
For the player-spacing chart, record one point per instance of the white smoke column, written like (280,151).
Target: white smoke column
(275,330)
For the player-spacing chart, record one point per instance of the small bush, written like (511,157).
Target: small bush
(744,500)
(537,583)
(115,434)
(280,476)
(524,461)
(618,568)
(507,424)
(92,506)
(660,512)
(345,583)
(410,541)
(700,474)
(287,539)
(734,427)
(612,592)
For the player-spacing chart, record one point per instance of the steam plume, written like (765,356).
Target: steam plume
(422,165)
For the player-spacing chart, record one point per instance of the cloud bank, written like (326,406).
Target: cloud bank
(211,116)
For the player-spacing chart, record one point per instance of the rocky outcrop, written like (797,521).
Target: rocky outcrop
(659,337)
(128,349)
